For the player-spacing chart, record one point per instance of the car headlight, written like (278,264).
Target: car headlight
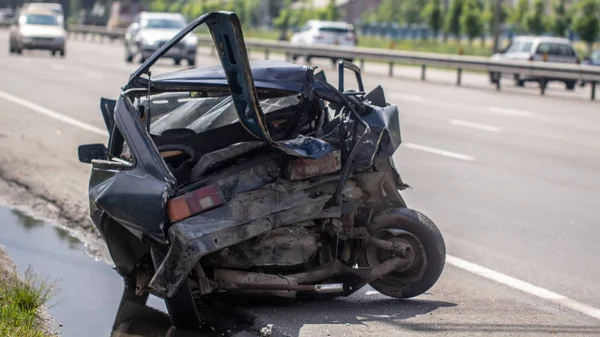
(148,42)
(192,40)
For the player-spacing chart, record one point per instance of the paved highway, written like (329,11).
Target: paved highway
(511,179)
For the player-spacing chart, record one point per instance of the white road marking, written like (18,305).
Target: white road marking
(523,286)
(439,152)
(466,124)
(406,97)
(371,292)
(52,114)
(512,112)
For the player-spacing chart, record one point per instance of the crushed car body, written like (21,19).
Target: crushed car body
(255,178)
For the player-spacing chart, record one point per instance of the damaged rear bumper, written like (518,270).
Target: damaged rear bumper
(247,215)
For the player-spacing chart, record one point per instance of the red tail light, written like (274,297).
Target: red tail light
(194,202)
(317,36)
(531,58)
(350,37)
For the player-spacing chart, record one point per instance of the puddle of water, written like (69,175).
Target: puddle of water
(90,291)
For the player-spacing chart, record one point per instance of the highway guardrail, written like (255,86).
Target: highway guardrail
(545,71)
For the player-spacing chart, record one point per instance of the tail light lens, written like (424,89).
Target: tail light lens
(194,202)
(317,36)
(531,58)
(350,37)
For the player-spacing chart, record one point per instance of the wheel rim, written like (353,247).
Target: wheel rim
(416,254)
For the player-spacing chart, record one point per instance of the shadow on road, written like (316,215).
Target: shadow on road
(343,311)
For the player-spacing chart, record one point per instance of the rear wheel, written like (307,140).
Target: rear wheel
(128,56)
(53,52)
(570,85)
(177,62)
(191,62)
(426,253)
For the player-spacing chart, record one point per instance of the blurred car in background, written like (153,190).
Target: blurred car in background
(37,29)
(328,33)
(592,60)
(150,31)
(538,49)
(6,16)
(54,7)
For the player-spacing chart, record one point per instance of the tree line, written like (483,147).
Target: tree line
(475,18)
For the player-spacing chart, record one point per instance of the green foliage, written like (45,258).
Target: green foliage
(332,12)
(561,19)
(535,20)
(388,11)
(432,14)
(489,15)
(19,302)
(587,21)
(453,24)
(411,11)
(518,14)
(470,19)
(159,5)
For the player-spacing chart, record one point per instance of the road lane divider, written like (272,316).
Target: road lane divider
(52,114)
(510,111)
(523,286)
(440,152)
(477,126)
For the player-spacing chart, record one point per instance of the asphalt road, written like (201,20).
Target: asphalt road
(511,179)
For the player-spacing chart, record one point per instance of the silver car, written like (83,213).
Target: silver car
(538,49)
(37,29)
(150,31)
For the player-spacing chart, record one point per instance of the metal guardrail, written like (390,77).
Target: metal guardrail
(542,70)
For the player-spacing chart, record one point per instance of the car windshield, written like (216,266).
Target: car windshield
(596,57)
(165,23)
(186,110)
(519,47)
(40,19)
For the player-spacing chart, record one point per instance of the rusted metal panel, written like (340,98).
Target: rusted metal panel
(303,168)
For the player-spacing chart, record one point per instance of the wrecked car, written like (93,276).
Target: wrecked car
(254,179)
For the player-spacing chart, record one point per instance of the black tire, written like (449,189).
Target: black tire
(570,85)
(177,62)
(11,49)
(191,62)
(128,57)
(53,53)
(181,306)
(62,53)
(19,51)
(142,59)
(431,241)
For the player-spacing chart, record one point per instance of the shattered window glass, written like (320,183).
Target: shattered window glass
(199,113)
